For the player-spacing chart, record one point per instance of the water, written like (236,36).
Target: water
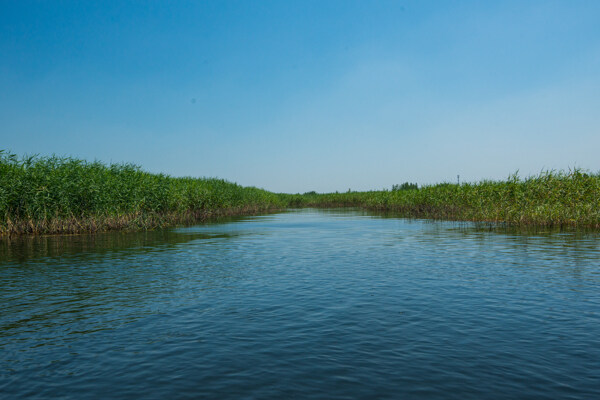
(304,304)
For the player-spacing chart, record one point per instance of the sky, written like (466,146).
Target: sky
(295,96)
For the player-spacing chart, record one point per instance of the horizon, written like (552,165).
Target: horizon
(306,96)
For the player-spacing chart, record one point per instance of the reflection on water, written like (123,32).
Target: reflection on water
(23,249)
(53,282)
(307,303)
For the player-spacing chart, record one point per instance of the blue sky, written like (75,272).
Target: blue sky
(306,95)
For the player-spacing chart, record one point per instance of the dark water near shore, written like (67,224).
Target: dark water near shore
(304,304)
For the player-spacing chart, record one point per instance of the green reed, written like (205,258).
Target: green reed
(67,195)
(62,194)
(559,199)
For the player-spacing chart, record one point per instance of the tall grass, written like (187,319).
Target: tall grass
(67,195)
(559,199)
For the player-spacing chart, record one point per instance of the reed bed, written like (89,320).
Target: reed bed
(550,199)
(67,195)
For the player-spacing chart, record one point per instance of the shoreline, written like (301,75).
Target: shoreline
(123,223)
(54,195)
(138,223)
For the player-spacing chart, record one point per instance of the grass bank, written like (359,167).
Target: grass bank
(66,195)
(551,199)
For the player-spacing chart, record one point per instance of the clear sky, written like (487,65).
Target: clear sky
(294,96)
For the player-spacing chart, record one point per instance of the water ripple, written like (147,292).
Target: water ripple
(329,304)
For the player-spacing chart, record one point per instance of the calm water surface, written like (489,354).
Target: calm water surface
(304,304)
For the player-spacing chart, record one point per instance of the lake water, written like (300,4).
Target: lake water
(329,304)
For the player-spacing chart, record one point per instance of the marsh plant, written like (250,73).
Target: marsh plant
(68,195)
(558,199)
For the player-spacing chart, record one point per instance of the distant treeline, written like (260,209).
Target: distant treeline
(67,195)
(405,186)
